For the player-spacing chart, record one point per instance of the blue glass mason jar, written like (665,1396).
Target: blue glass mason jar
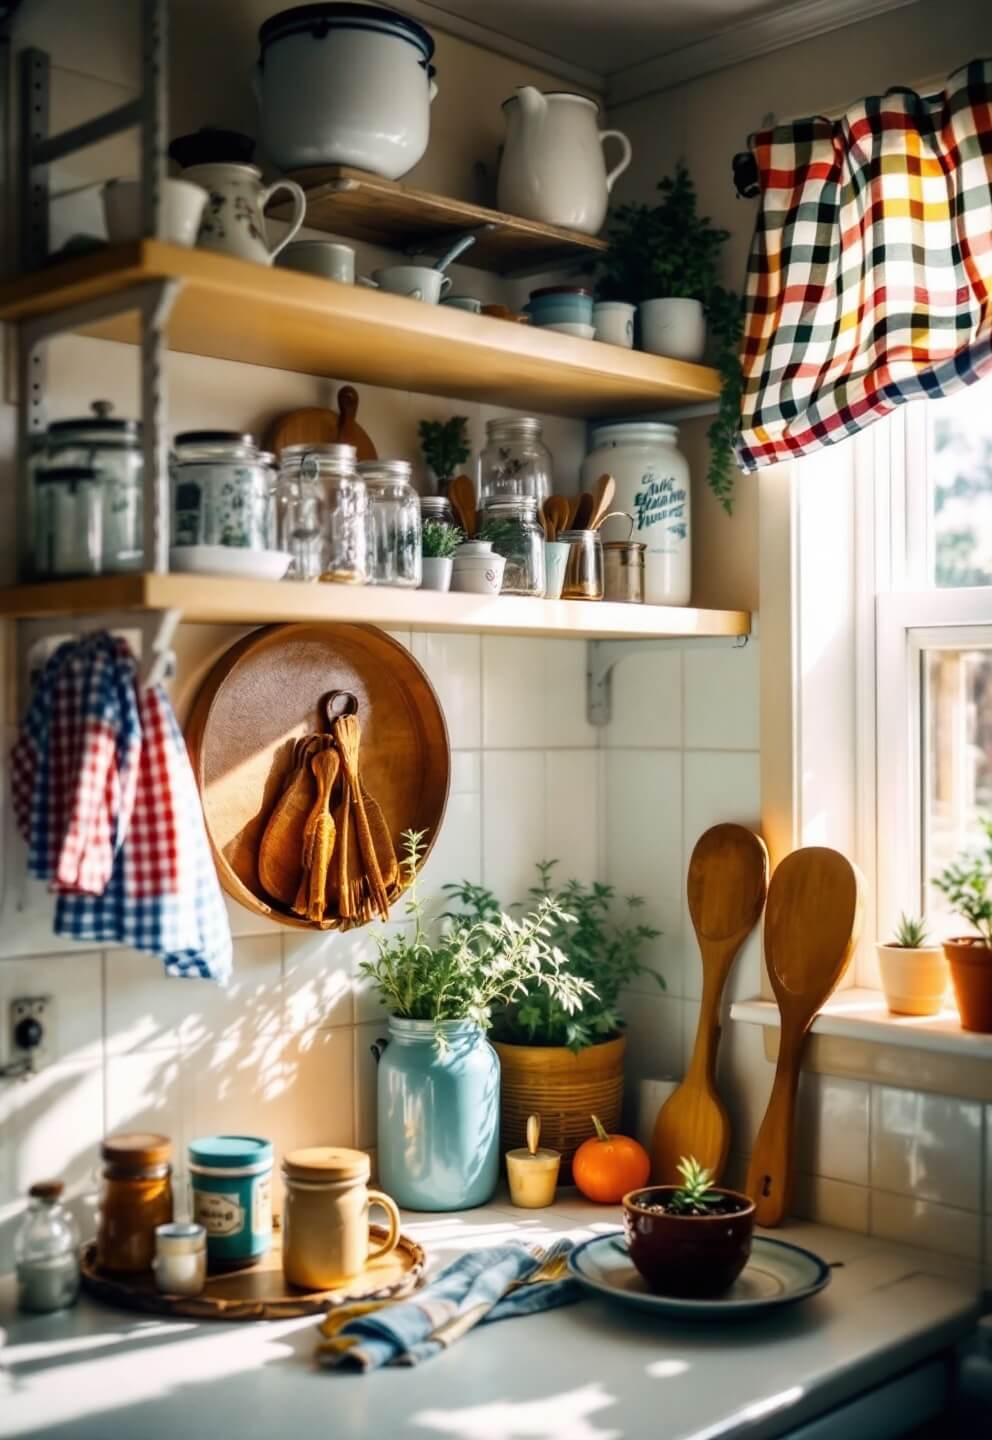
(438,1115)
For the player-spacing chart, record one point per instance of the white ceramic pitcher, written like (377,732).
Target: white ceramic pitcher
(553,168)
(234,216)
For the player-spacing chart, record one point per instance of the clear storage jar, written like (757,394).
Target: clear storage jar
(46,1252)
(394,523)
(436,507)
(511,525)
(584,566)
(221,491)
(515,460)
(112,447)
(68,522)
(323,514)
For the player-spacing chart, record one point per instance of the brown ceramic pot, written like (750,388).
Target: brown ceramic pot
(971,975)
(695,1256)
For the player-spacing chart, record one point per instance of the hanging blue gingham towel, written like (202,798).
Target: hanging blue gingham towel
(496,1283)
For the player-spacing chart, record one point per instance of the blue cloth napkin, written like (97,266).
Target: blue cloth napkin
(485,1285)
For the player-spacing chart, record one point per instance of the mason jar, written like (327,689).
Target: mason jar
(394,523)
(511,525)
(515,460)
(111,447)
(67,522)
(221,492)
(652,479)
(324,514)
(436,507)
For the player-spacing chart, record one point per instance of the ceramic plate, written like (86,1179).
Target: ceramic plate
(776,1274)
(581,332)
(229,560)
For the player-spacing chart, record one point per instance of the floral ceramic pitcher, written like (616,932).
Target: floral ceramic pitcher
(234,216)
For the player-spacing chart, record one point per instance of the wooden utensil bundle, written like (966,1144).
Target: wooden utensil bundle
(585,511)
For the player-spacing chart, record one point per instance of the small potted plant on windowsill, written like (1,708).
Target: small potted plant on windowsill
(966,882)
(915,976)
(692,1239)
(438,543)
(445,447)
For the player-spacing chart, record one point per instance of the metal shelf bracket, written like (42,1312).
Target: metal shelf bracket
(602,655)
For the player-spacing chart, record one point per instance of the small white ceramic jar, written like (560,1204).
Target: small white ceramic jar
(614,322)
(477,570)
(180,1262)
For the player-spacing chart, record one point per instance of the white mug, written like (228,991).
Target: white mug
(417,282)
(614,322)
(182,209)
(320,257)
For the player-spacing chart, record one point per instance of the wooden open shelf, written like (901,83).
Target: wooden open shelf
(209,599)
(343,201)
(233,310)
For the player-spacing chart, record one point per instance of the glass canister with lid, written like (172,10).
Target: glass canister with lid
(67,522)
(135,1198)
(515,460)
(111,447)
(394,523)
(511,525)
(46,1252)
(221,492)
(652,480)
(323,514)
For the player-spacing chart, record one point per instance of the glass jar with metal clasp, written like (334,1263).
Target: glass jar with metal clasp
(323,509)
(511,525)
(394,523)
(514,460)
(221,498)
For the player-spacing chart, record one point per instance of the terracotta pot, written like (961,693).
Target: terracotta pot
(970,960)
(915,980)
(691,1255)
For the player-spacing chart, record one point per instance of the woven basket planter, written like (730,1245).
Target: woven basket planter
(564,1088)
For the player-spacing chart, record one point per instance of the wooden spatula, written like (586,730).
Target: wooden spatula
(727,885)
(602,498)
(811,929)
(280,853)
(461,497)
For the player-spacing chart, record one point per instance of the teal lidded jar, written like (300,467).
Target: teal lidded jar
(438,1115)
(231,1183)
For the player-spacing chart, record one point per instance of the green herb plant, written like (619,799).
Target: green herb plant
(966,883)
(463,968)
(695,1195)
(670,251)
(444,444)
(911,933)
(603,954)
(439,539)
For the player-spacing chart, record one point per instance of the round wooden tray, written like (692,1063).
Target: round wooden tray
(266,692)
(260,1292)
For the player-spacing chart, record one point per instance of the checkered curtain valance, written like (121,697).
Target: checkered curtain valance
(871,266)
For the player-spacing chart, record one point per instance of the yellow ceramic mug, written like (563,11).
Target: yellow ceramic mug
(326,1218)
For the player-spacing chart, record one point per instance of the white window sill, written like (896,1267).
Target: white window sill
(862,1015)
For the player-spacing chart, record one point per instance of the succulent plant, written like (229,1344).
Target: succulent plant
(911,933)
(695,1195)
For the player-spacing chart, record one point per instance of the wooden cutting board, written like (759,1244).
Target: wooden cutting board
(727,885)
(317,426)
(812,922)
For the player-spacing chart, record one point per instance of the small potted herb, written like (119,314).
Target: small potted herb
(438,543)
(915,975)
(445,447)
(966,882)
(692,1239)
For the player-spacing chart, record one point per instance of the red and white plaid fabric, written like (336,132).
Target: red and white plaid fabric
(152,841)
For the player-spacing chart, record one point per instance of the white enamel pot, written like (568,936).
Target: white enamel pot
(345,84)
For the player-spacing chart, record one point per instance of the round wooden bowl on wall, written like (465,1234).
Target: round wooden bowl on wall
(266,692)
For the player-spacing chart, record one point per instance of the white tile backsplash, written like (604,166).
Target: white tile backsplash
(913,1221)
(721,698)
(929,1146)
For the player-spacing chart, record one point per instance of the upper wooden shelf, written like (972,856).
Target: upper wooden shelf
(233,310)
(209,599)
(343,201)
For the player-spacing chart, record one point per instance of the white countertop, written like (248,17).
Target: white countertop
(590,1371)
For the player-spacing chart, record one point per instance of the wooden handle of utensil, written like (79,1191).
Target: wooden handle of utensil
(347,415)
(719,956)
(769,1176)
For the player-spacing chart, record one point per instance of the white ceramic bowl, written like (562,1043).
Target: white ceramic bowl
(229,560)
(182,206)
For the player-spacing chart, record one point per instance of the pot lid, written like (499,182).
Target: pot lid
(230,1151)
(67,475)
(215,437)
(102,423)
(212,146)
(137,1149)
(327,1163)
(560,290)
(317,20)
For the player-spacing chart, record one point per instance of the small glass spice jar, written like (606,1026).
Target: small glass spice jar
(584,566)
(46,1252)
(135,1198)
(324,514)
(394,523)
(180,1258)
(68,522)
(511,525)
(221,492)
(514,460)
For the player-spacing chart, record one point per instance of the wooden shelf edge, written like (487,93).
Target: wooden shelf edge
(212,599)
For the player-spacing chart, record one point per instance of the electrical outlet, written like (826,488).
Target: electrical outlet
(31,1033)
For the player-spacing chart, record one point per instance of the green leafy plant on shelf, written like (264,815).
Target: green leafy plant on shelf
(911,933)
(695,1196)
(603,953)
(465,967)
(439,539)
(670,251)
(966,883)
(445,447)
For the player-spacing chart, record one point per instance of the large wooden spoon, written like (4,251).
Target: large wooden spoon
(461,498)
(811,929)
(727,885)
(602,498)
(281,849)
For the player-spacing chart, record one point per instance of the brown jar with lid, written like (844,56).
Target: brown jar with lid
(135,1197)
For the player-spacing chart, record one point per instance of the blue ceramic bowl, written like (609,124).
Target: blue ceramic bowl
(561,310)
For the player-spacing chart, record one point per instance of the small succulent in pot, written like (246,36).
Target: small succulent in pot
(914,972)
(691,1240)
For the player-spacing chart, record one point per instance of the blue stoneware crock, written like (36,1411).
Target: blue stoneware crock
(231,1183)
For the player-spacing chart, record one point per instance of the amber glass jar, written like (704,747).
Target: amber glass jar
(135,1197)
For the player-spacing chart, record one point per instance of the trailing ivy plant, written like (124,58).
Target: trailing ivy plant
(444,444)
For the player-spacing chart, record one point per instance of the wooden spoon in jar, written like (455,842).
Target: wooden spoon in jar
(556,508)
(603,492)
(461,498)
